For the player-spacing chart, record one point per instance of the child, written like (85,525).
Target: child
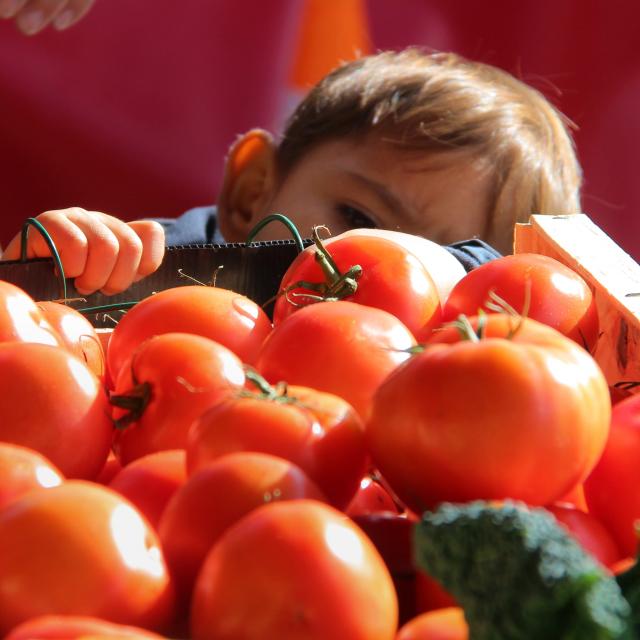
(433,145)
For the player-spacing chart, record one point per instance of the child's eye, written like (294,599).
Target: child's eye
(355,218)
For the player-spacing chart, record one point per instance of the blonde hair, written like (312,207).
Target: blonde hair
(442,101)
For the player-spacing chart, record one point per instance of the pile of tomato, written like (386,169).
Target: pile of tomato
(211,472)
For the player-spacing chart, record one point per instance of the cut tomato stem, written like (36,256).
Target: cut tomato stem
(134,402)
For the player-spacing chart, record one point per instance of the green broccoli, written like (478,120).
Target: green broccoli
(629,583)
(518,575)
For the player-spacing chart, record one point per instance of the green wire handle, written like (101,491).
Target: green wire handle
(32,222)
(288,223)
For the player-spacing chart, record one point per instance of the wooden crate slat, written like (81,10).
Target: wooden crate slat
(613,275)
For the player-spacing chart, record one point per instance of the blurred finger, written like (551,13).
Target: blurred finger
(9,8)
(67,236)
(129,254)
(73,11)
(151,234)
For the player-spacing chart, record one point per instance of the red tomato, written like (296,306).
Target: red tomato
(443,267)
(430,594)
(221,315)
(559,298)
(588,531)
(319,432)
(372,497)
(442,624)
(80,549)
(22,470)
(169,381)
(77,628)
(111,467)
(389,277)
(150,482)
(53,403)
(21,320)
(575,497)
(295,569)
(343,348)
(467,420)
(77,334)
(218,495)
(612,490)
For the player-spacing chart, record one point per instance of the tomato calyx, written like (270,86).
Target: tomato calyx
(273,393)
(336,286)
(134,402)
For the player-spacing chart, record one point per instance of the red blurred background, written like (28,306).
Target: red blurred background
(131,111)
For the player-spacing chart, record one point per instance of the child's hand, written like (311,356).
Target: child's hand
(98,250)
(32,16)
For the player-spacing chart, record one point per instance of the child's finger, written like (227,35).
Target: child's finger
(151,233)
(9,8)
(67,236)
(72,12)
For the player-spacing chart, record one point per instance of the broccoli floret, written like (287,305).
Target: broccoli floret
(518,575)
(629,583)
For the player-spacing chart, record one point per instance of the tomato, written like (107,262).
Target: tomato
(76,334)
(169,381)
(80,549)
(111,467)
(218,495)
(372,497)
(77,628)
(22,470)
(478,419)
(389,277)
(443,267)
(21,320)
(430,594)
(559,297)
(612,490)
(343,348)
(295,569)
(442,624)
(53,403)
(221,315)
(150,481)
(590,533)
(319,432)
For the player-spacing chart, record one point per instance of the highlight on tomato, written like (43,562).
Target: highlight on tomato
(169,380)
(363,268)
(537,286)
(81,549)
(297,568)
(318,431)
(53,403)
(218,495)
(224,316)
(483,408)
(23,470)
(342,347)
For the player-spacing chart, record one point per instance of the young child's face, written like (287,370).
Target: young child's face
(444,196)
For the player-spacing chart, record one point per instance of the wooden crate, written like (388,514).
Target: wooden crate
(612,274)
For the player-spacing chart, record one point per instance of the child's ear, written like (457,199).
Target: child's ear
(247,184)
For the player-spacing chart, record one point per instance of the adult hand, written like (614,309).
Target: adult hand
(32,16)
(98,250)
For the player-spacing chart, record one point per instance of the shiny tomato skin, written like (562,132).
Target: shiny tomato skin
(81,549)
(590,533)
(392,279)
(221,315)
(21,320)
(185,374)
(53,403)
(560,298)
(23,470)
(467,420)
(151,481)
(298,570)
(218,495)
(77,335)
(77,628)
(612,490)
(371,497)
(440,624)
(320,432)
(343,348)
